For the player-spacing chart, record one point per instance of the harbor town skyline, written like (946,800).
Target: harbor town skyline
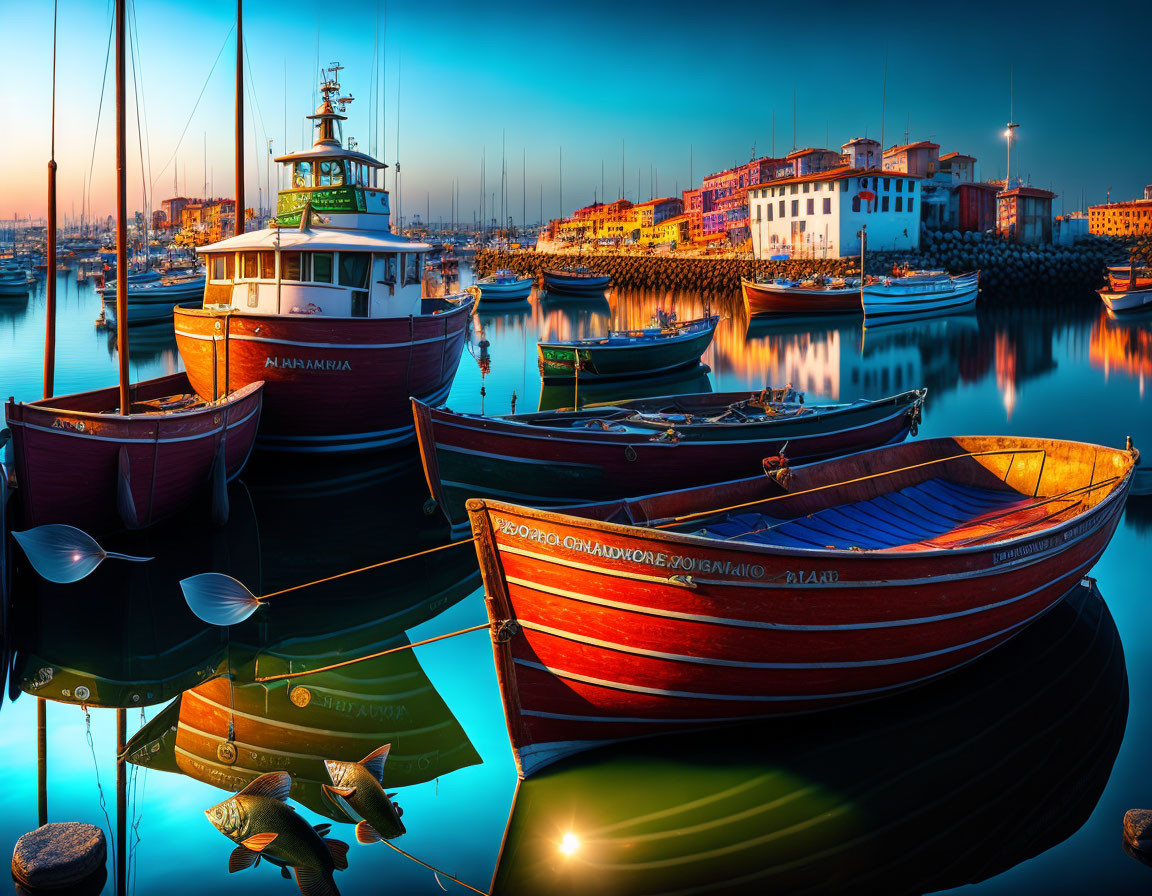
(640,103)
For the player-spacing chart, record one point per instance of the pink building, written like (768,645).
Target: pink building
(812,161)
(919,159)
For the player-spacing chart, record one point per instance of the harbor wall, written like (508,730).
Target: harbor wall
(1008,272)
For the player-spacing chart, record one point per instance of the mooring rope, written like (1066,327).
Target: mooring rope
(362,659)
(434,869)
(100,789)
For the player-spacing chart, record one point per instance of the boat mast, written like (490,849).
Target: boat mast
(121,217)
(50,325)
(239,229)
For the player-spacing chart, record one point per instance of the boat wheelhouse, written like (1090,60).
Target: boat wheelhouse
(326,302)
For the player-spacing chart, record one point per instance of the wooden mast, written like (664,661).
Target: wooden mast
(121,217)
(239,117)
(50,324)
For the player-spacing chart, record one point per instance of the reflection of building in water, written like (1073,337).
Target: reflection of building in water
(1122,346)
(1023,351)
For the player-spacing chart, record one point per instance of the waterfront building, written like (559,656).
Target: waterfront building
(812,160)
(959,168)
(675,231)
(646,214)
(973,206)
(174,208)
(1024,215)
(1122,218)
(723,203)
(920,159)
(1067,229)
(821,215)
(861,153)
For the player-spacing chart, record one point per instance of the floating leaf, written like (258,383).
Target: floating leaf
(219,599)
(65,554)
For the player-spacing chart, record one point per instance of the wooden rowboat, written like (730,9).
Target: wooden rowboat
(627,353)
(778,297)
(637,447)
(80,462)
(815,586)
(577,282)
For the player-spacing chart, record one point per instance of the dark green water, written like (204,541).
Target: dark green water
(1011,776)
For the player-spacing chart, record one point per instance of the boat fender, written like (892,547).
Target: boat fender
(629,454)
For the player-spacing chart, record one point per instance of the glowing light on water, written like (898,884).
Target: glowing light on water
(569,844)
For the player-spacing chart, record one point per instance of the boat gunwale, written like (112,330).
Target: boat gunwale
(225,401)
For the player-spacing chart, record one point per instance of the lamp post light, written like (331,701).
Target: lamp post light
(1008,134)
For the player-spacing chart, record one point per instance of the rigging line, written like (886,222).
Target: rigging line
(55,9)
(433,869)
(197,104)
(254,116)
(139,131)
(100,106)
(251,86)
(143,96)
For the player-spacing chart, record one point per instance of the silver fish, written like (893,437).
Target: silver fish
(360,787)
(261,821)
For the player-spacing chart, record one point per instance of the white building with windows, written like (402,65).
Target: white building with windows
(821,215)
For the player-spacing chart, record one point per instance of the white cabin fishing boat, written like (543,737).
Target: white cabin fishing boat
(326,306)
(922,292)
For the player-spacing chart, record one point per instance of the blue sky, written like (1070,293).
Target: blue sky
(670,80)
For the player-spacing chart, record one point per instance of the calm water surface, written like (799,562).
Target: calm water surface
(1011,776)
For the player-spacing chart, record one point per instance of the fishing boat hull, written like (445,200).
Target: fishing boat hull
(145,313)
(14,290)
(332,385)
(468,456)
(914,296)
(604,631)
(509,291)
(1127,300)
(776,298)
(617,358)
(575,285)
(79,465)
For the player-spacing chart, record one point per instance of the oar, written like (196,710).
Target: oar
(65,554)
(219,599)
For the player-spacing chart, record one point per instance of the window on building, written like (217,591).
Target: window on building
(354,269)
(909,203)
(793,189)
(322,267)
(827,205)
(899,203)
(795,207)
(811,206)
(888,183)
(899,185)
(759,212)
(856,203)
(911,184)
(267,265)
(781,208)
(884,204)
(301,174)
(290,266)
(769,211)
(805,187)
(250,264)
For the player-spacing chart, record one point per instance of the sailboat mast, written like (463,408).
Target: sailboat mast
(50,325)
(239,117)
(121,216)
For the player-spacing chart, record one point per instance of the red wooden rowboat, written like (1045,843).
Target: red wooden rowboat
(81,463)
(615,450)
(816,586)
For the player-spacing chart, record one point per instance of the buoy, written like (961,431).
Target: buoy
(61,857)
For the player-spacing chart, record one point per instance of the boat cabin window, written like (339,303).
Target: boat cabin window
(410,267)
(354,271)
(331,174)
(322,267)
(249,265)
(267,265)
(290,266)
(384,269)
(222,267)
(355,173)
(301,174)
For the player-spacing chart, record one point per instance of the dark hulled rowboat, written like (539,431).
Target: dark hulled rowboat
(577,282)
(625,353)
(829,584)
(600,453)
(81,463)
(504,286)
(797,298)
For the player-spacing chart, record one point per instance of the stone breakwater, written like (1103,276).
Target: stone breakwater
(1008,272)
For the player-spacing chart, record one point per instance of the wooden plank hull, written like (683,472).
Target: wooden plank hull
(467,456)
(331,384)
(767,298)
(645,356)
(603,631)
(575,285)
(68,453)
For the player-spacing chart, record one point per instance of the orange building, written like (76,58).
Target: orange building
(1121,218)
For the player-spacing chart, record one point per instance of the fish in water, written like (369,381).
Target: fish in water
(261,821)
(360,787)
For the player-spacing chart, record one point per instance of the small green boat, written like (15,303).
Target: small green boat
(670,345)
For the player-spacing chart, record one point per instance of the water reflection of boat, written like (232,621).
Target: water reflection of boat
(681,382)
(941,787)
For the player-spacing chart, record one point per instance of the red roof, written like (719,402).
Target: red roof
(1033,192)
(977,185)
(956,155)
(809,151)
(836,174)
(923,144)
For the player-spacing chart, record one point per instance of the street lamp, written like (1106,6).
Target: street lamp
(1009,135)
